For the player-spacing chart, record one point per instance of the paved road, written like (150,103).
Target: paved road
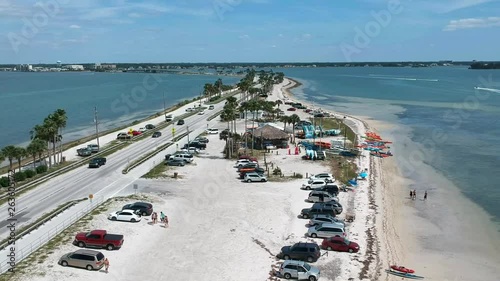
(105,181)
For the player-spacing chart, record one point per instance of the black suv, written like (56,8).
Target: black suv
(309,252)
(180,122)
(195,144)
(142,208)
(97,162)
(334,205)
(317,210)
(330,188)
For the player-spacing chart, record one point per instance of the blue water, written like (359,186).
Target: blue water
(27,98)
(457,126)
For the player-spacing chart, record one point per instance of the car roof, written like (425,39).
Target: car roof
(294,262)
(336,225)
(86,252)
(127,210)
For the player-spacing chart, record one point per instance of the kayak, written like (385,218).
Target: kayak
(402,269)
(404,275)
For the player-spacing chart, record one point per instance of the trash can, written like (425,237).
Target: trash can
(175,175)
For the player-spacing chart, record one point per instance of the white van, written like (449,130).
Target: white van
(188,158)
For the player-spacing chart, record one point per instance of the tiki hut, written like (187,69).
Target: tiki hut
(268,135)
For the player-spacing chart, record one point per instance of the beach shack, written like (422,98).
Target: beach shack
(268,136)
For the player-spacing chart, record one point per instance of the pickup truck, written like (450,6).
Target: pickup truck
(98,239)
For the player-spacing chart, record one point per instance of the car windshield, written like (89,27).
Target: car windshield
(307,266)
(347,242)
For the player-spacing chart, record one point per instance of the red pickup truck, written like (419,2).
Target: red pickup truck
(99,239)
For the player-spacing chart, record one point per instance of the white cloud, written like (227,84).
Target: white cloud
(472,23)
(244,36)
(74,26)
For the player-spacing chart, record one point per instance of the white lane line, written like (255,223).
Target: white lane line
(64,187)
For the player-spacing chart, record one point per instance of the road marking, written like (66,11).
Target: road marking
(52,193)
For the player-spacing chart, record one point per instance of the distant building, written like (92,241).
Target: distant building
(24,67)
(108,66)
(74,67)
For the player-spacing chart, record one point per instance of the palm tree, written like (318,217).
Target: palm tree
(2,157)
(286,120)
(294,119)
(232,105)
(10,153)
(42,132)
(36,148)
(60,118)
(218,86)
(52,129)
(19,154)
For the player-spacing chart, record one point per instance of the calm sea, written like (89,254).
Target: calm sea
(120,98)
(453,126)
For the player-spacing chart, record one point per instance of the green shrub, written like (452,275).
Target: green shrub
(4,182)
(19,176)
(297,175)
(30,173)
(277,171)
(41,169)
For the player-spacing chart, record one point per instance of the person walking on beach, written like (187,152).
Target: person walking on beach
(411,194)
(162,216)
(106,264)
(414,194)
(166,221)
(425,195)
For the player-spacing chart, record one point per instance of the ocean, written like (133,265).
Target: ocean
(121,98)
(443,117)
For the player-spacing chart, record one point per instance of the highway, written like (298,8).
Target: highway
(106,181)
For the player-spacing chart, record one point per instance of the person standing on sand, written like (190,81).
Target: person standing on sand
(414,194)
(106,264)
(411,194)
(166,221)
(162,216)
(425,195)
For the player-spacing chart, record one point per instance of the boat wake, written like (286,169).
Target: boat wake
(488,89)
(401,78)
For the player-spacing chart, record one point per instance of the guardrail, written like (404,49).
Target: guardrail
(152,153)
(32,247)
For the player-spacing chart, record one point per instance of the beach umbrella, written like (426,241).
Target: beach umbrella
(363,174)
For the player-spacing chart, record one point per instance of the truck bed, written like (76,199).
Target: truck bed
(113,237)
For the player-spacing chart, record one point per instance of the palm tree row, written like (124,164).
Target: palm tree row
(215,89)
(42,136)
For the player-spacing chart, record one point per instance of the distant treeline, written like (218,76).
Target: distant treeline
(485,65)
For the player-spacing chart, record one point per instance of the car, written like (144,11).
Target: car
(189,109)
(201,140)
(150,126)
(316,210)
(254,177)
(123,136)
(180,122)
(326,230)
(191,150)
(321,196)
(99,239)
(175,162)
(299,270)
(243,162)
(212,131)
(156,135)
(144,208)
(184,156)
(89,259)
(340,244)
(328,178)
(142,130)
(97,162)
(330,188)
(308,251)
(251,158)
(201,112)
(84,151)
(195,144)
(125,215)
(259,171)
(321,218)
(313,183)
(211,107)
(333,204)
(169,118)
(136,133)
(292,109)
(248,165)
(93,147)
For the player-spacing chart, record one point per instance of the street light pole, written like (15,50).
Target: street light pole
(188,134)
(345,132)
(164,107)
(96,126)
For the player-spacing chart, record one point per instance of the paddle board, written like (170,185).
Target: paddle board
(404,275)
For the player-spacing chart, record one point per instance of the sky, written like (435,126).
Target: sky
(89,31)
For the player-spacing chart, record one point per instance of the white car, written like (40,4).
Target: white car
(142,130)
(212,131)
(191,150)
(313,183)
(189,109)
(323,176)
(242,162)
(125,215)
(254,177)
(201,112)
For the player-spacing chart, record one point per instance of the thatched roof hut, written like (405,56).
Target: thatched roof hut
(268,132)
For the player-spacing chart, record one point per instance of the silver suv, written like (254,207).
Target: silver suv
(254,177)
(326,230)
(322,218)
(299,270)
(89,259)
(320,196)
(313,183)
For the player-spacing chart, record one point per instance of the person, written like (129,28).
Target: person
(414,194)
(411,194)
(166,221)
(153,218)
(425,195)
(162,216)
(106,264)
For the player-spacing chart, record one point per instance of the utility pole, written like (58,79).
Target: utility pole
(345,133)
(96,127)
(188,134)
(164,107)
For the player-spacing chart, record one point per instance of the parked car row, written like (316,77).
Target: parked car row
(249,170)
(101,239)
(87,151)
(323,223)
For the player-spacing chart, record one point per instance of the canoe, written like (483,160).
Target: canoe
(402,269)
(404,275)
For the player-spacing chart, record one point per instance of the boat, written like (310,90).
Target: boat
(404,275)
(402,269)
